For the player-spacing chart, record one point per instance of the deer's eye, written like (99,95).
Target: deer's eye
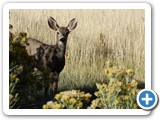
(57,33)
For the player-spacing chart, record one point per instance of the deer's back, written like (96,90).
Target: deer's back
(46,58)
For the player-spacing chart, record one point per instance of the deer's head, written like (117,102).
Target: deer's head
(62,32)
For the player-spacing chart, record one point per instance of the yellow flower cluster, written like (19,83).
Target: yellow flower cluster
(119,93)
(130,72)
(13,99)
(73,99)
(14,78)
(96,104)
(119,73)
(20,38)
(52,105)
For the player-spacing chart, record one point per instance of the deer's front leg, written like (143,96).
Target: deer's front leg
(46,88)
(46,85)
(55,82)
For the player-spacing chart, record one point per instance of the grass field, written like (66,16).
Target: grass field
(100,36)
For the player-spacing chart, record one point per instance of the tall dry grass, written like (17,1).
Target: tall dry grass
(101,35)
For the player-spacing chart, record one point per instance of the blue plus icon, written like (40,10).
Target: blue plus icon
(147,99)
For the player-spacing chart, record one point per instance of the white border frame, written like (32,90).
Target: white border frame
(8,6)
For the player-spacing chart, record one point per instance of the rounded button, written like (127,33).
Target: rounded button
(147,99)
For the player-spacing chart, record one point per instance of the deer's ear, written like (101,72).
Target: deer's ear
(72,24)
(52,23)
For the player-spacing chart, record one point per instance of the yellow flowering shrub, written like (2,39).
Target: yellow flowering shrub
(25,86)
(17,50)
(13,95)
(73,99)
(14,68)
(119,93)
(119,73)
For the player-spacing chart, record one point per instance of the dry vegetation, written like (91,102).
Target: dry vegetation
(101,35)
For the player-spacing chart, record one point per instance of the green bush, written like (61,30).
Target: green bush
(25,85)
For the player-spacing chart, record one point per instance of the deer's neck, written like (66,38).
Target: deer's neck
(61,47)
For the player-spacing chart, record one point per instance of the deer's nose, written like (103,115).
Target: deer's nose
(62,39)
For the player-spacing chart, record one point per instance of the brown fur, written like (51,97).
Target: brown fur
(50,59)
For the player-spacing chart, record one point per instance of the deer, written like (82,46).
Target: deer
(50,59)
